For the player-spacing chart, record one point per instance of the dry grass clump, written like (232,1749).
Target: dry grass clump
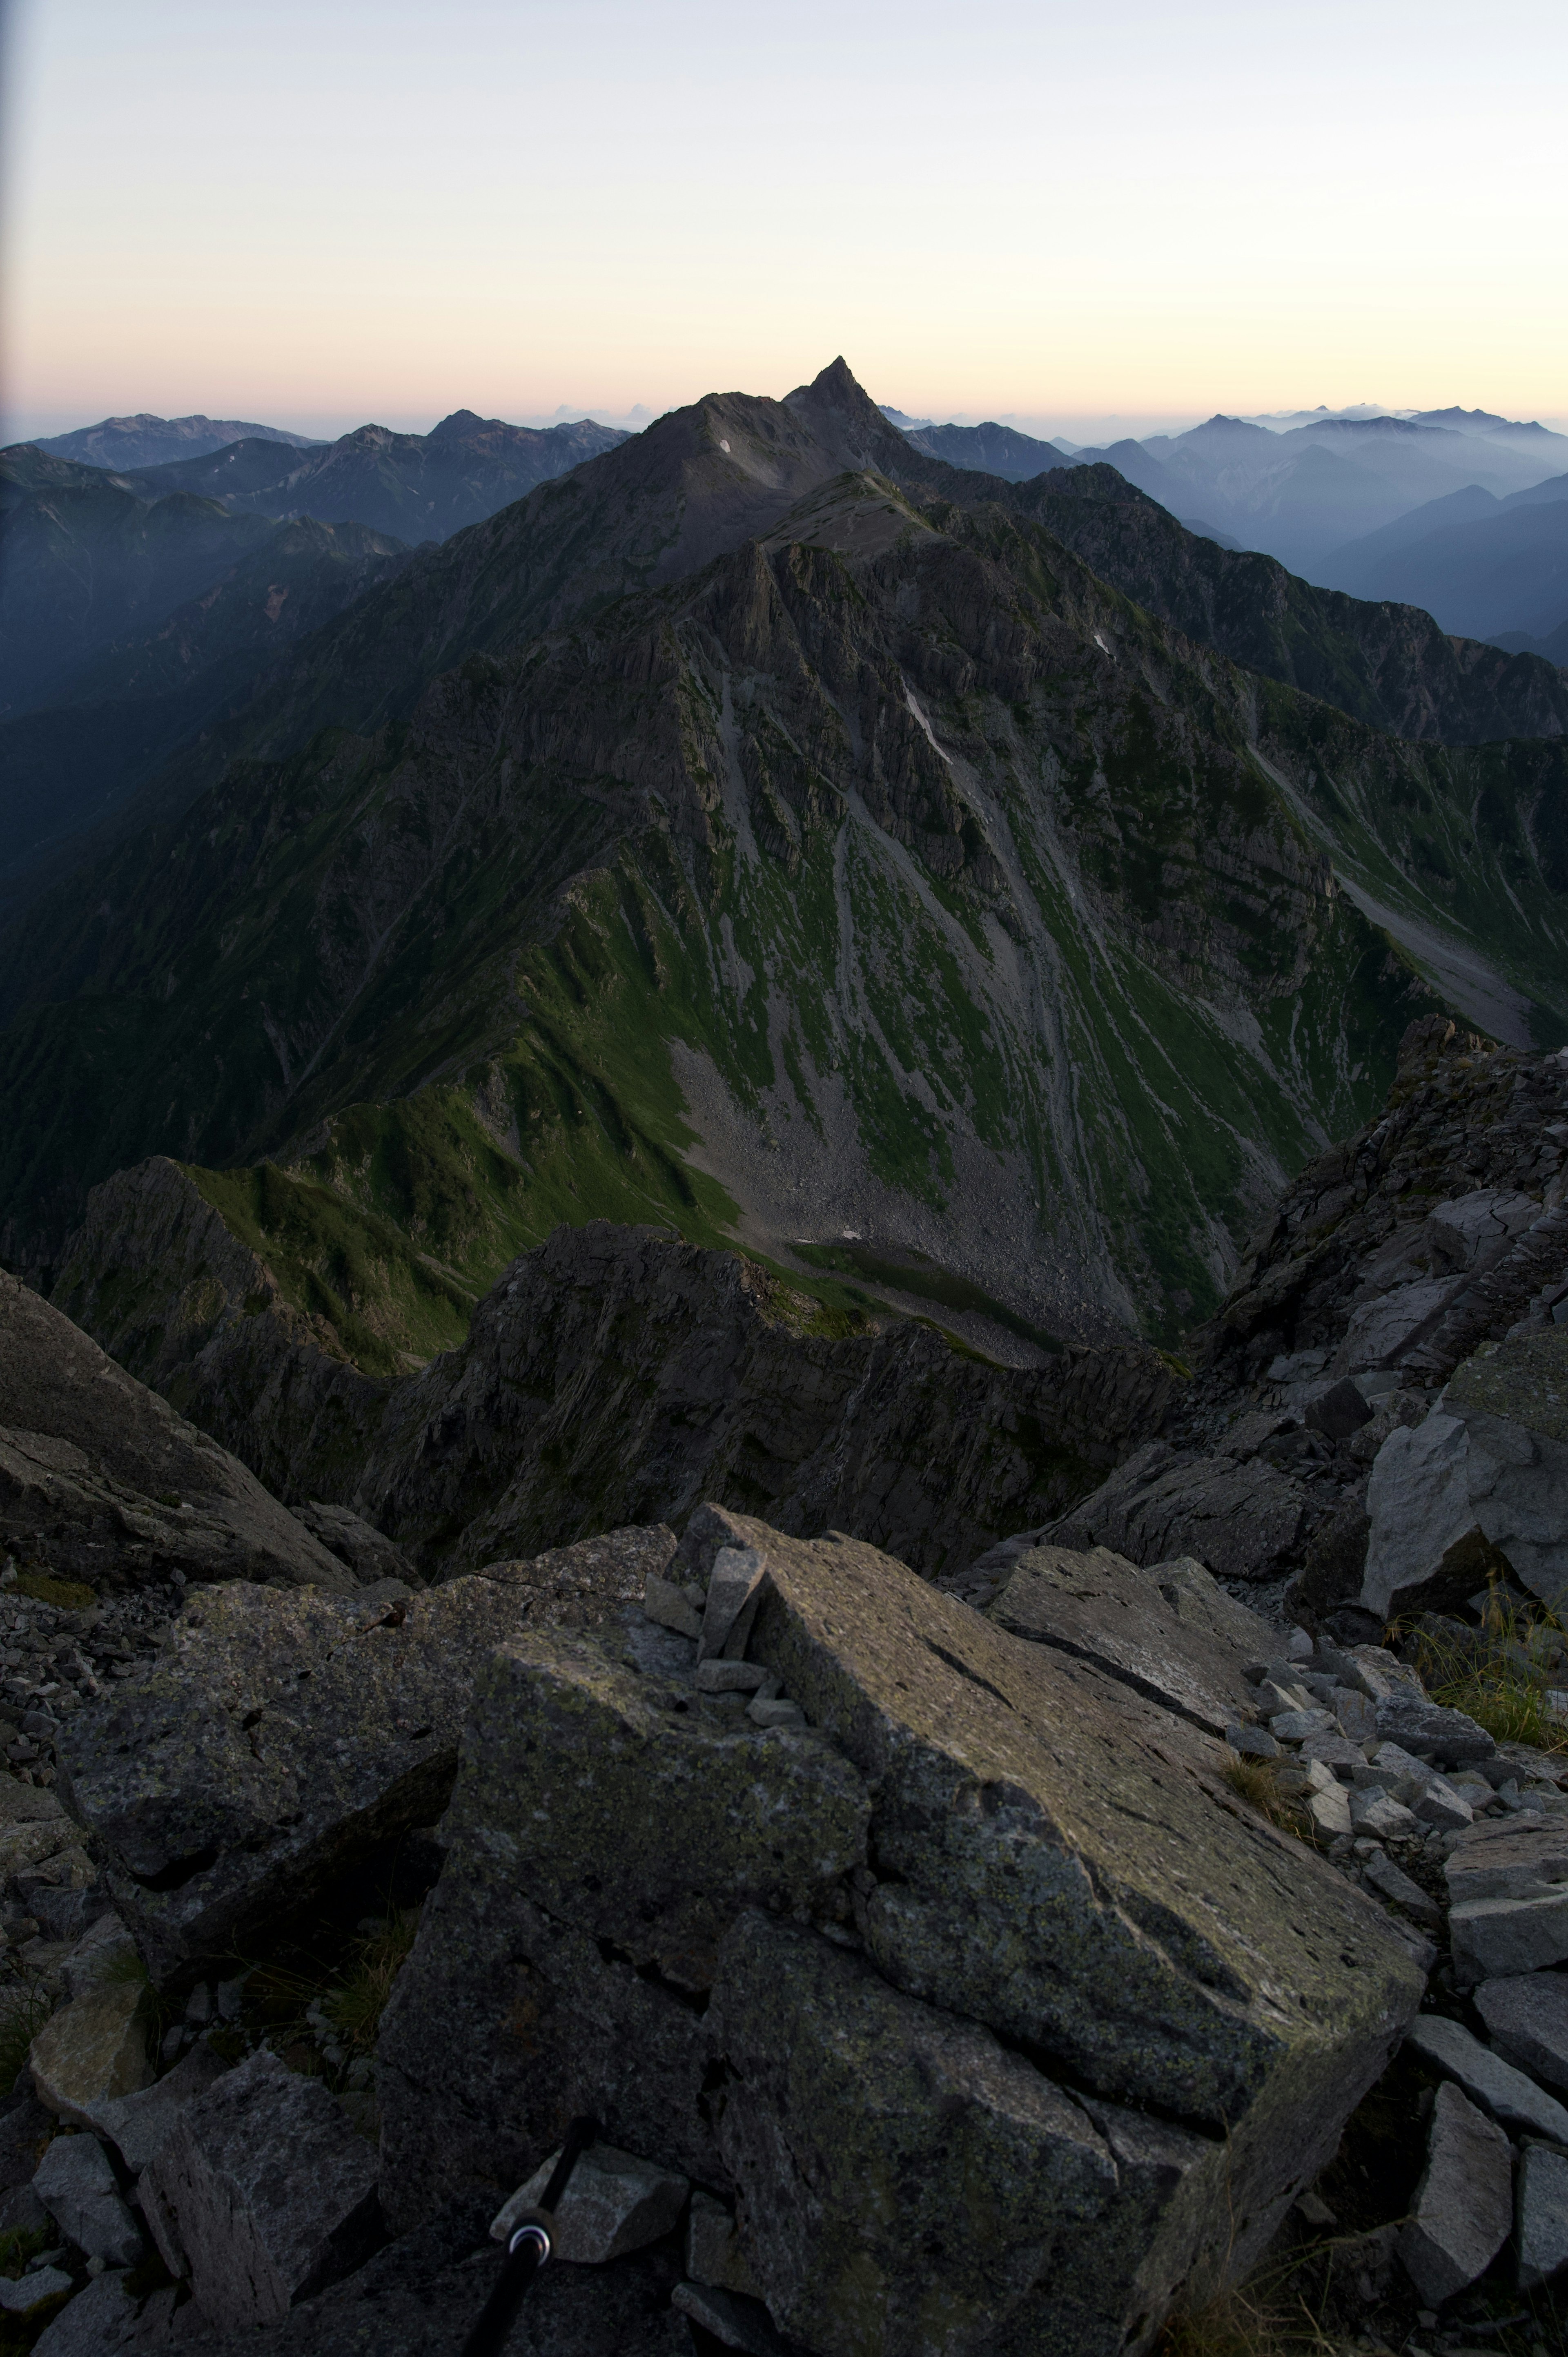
(1259,2318)
(1500,1673)
(355,2003)
(1257,1782)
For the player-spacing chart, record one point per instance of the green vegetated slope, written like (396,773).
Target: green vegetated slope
(841,859)
(948,865)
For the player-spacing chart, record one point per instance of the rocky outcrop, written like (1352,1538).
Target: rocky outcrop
(101,1479)
(985,1898)
(281,1737)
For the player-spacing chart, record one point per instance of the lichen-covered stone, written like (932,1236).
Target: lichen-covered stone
(1059,1858)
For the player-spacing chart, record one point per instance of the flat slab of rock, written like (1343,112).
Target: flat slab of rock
(1464,2205)
(1171,1632)
(1507,2093)
(262,2195)
(1493,1939)
(1527,2021)
(645,1910)
(100,2319)
(1511,1858)
(123,1486)
(1244,1522)
(279,1736)
(93,2049)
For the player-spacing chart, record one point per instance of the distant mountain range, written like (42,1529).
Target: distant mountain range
(1483,566)
(117,443)
(419,485)
(770,828)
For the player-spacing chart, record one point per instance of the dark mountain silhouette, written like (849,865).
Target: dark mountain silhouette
(118,443)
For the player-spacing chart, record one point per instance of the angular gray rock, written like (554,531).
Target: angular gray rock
(77,2185)
(1484,1479)
(100,2319)
(1541,2214)
(1464,2205)
(1508,1881)
(139,2125)
(370,1554)
(1171,1632)
(1507,2094)
(1527,2021)
(714,2253)
(20,2295)
(795,1964)
(120,1488)
(262,2195)
(613,2204)
(282,1735)
(1428,1731)
(1244,1522)
(1493,1939)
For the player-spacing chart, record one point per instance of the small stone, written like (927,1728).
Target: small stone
(776,1712)
(1526,2020)
(1494,1939)
(92,2049)
(1541,2214)
(104,1948)
(735,2323)
(77,2185)
(1441,1806)
(198,2006)
(1373,1811)
(713,2256)
(1336,1752)
(615,2204)
(730,1677)
(1316,2211)
(99,2318)
(1386,1878)
(1507,2094)
(1330,1811)
(663,1602)
(1276,1694)
(1299,1645)
(733,1586)
(20,2296)
(1253,1742)
(1464,2205)
(1295,1725)
(1357,1716)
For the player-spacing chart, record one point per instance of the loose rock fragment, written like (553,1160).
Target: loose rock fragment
(615,2204)
(714,2253)
(733,1586)
(93,2049)
(1527,2020)
(78,2187)
(663,1602)
(1464,2204)
(140,2125)
(19,2297)
(1496,1938)
(1541,2207)
(1506,2092)
(101,2319)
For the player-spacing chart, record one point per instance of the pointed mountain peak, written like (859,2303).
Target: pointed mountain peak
(846,420)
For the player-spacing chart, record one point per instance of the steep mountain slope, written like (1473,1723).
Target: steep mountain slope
(1389,665)
(1553,649)
(138,700)
(146,441)
(419,485)
(1483,573)
(83,560)
(727,837)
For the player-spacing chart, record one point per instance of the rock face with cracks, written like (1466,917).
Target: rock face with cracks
(997,2016)
(282,1735)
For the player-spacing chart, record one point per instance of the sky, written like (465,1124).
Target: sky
(1087,219)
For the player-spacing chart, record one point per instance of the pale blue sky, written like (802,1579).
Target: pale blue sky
(313,214)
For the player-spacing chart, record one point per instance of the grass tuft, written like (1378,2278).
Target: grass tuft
(23,2013)
(354,2005)
(65,1595)
(1501,1675)
(1256,1782)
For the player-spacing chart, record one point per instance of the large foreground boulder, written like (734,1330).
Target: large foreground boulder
(967,1979)
(1481,1486)
(103,1479)
(281,1735)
